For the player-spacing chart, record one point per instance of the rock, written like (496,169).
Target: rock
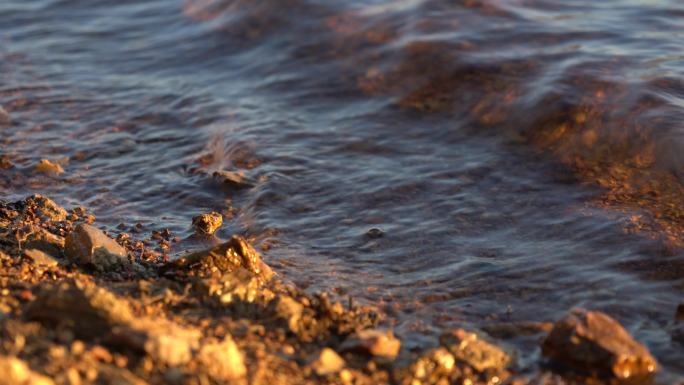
(238,285)
(222,360)
(44,208)
(109,375)
(591,341)
(473,351)
(434,367)
(327,362)
(88,310)
(233,179)
(44,166)
(39,257)
(207,223)
(288,309)
(226,257)
(88,245)
(162,340)
(15,372)
(43,240)
(373,342)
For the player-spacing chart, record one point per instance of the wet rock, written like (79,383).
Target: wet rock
(207,223)
(374,342)
(41,239)
(40,258)
(86,309)
(222,359)
(234,180)
(88,245)
(224,258)
(327,362)
(593,342)
(375,233)
(44,208)
(14,371)
(435,367)
(163,341)
(5,162)
(238,285)
(44,166)
(470,349)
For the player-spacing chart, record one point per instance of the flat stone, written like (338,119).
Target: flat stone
(15,372)
(45,208)
(88,245)
(226,257)
(479,354)
(374,342)
(327,362)
(39,257)
(41,239)
(222,359)
(207,223)
(88,310)
(591,341)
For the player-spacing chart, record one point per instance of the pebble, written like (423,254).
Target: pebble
(374,342)
(88,245)
(593,342)
(222,359)
(327,362)
(468,348)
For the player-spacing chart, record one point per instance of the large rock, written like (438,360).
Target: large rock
(593,342)
(88,245)
(14,371)
(373,342)
(225,258)
(85,308)
(44,208)
(222,359)
(479,354)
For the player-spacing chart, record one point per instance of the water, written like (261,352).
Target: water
(520,157)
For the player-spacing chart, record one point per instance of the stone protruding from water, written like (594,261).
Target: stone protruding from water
(593,342)
(225,258)
(477,353)
(234,180)
(207,224)
(87,245)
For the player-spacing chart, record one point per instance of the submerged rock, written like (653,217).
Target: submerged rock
(14,371)
(44,166)
(222,359)
(207,223)
(233,179)
(593,342)
(224,258)
(88,245)
(44,208)
(468,348)
(327,362)
(86,309)
(374,342)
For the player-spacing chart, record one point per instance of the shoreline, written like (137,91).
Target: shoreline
(79,307)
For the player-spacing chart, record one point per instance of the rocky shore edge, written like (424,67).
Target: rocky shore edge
(80,307)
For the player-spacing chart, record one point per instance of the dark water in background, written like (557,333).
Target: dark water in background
(522,157)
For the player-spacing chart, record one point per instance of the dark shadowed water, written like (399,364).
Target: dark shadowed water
(520,157)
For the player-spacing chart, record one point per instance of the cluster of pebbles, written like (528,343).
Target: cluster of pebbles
(79,307)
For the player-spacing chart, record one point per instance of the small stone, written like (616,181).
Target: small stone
(470,349)
(86,309)
(88,245)
(162,340)
(226,257)
(591,341)
(327,362)
(39,257)
(45,208)
(207,223)
(238,285)
(235,180)
(44,166)
(375,342)
(288,309)
(222,359)
(110,375)
(375,233)
(15,372)
(43,240)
